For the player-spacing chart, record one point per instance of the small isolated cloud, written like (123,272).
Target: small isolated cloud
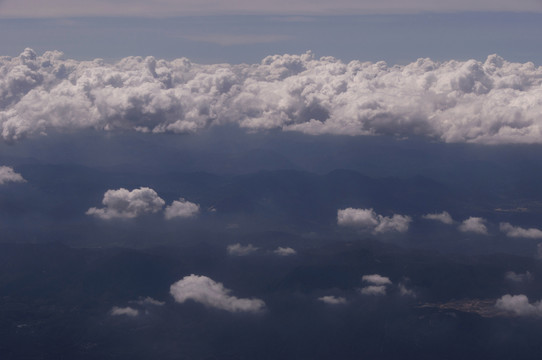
(284,251)
(126,204)
(181,209)
(518,278)
(240,250)
(443,217)
(149,301)
(332,300)
(518,232)
(7,174)
(519,305)
(368,220)
(128,311)
(373,290)
(210,293)
(376,279)
(404,291)
(475,225)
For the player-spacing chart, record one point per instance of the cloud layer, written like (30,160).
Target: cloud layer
(367,219)
(7,174)
(212,294)
(126,204)
(487,102)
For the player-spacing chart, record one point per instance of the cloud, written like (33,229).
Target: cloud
(376,279)
(489,102)
(181,209)
(284,251)
(474,224)
(169,8)
(7,174)
(368,220)
(126,204)
(518,232)
(519,305)
(128,311)
(204,290)
(148,301)
(240,250)
(332,300)
(443,217)
(373,290)
(518,278)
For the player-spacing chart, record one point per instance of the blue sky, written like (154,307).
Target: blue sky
(395,32)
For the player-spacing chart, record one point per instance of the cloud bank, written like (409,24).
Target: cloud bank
(126,204)
(7,174)
(368,220)
(489,102)
(212,294)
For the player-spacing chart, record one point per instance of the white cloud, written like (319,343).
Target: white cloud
(212,294)
(149,301)
(332,300)
(7,174)
(443,217)
(126,204)
(284,251)
(376,279)
(516,231)
(512,276)
(240,250)
(373,290)
(128,311)
(474,224)
(181,209)
(489,102)
(169,8)
(519,305)
(368,220)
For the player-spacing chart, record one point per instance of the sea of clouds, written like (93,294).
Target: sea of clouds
(489,102)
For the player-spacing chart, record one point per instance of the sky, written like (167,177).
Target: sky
(291,179)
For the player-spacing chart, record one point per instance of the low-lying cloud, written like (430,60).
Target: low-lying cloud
(489,102)
(126,204)
(181,209)
(368,220)
(443,217)
(240,250)
(210,293)
(519,305)
(127,311)
(284,251)
(7,175)
(474,225)
(332,300)
(519,232)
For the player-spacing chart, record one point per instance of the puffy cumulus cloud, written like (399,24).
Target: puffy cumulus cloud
(443,217)
(518,278)
(284,251)
(212,294)
(128,311)
(332,300)
(489,102)
(519,305)
(126,204)
(367,219)
(519,232)
(181,209)
(376,279)
(7,174)
(475,225)
(373,290)
(240,250)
